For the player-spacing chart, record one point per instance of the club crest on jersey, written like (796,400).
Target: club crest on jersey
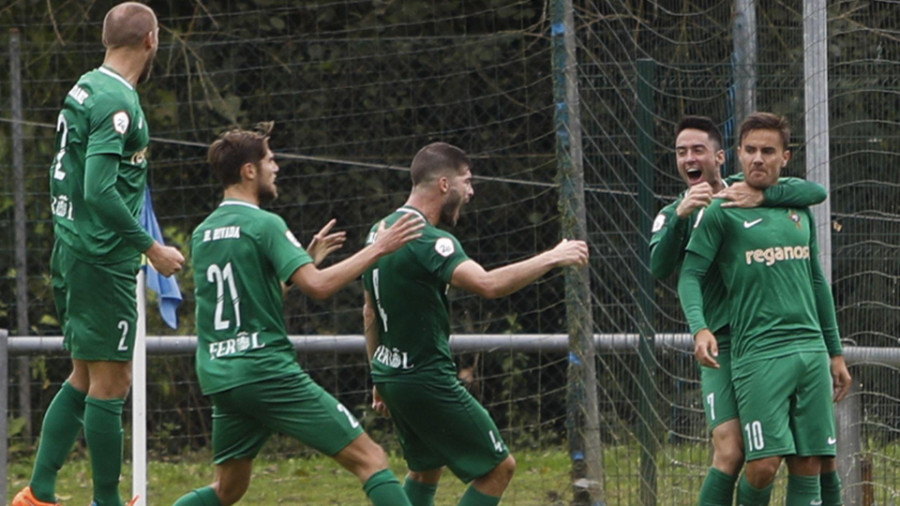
(120,122)
(658,223)
(444,247)
(796,219)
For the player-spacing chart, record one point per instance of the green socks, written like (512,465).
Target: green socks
(383,489)
(718,488)
(748,495)
(103,434)
(420,494)
(62,423)
(205,496)
(473,497)
(803,490)
(831,489)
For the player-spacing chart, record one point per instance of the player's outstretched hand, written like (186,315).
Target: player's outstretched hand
(378,404)
(741,194)
(840,377)
(407,228)
(699,195)
(572,252)
(706,348)
(165,259)
(323,243)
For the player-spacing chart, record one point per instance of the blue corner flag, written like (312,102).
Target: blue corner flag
(166,288)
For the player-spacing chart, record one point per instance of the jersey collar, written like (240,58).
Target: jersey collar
(236,202)
(115,75)
(411,209)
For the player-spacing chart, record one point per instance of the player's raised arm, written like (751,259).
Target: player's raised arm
(502,281)
(321,284)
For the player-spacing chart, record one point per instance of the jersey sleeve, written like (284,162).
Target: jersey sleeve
(440,253)
(690,291)
(109,120)
(822,292)
(794,192)
(101,196)
(670,235)
(283,249)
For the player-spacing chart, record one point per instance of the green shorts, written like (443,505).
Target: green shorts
(786,406)
(96,305)
(719,402)
(440,424)
(244,417)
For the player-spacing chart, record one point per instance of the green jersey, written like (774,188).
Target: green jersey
(96,214)
(766,257)
(410,287)
(671,236)
(240,256)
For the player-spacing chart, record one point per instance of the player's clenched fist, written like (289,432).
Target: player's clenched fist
(571,253)
(165,259)
(699,195)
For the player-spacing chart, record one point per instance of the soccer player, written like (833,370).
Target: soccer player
(407,335)
(97,184)
(783,326)
(241,255)
(699,158)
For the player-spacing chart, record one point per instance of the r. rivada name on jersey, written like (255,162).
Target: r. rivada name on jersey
(230,232)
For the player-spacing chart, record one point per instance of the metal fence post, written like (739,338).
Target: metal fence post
(648,432)
(583,417)
(4,411)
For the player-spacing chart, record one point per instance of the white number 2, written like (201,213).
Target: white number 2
(123,326)
(219,276)
(63,129)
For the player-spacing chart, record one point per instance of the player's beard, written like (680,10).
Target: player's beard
(266,194)
(451,208)
(148,67)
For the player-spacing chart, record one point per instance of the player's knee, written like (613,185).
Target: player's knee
(804,466)
(760,473)
(729,459)
(230,492)
(376,457)
(506,469)
(363,457)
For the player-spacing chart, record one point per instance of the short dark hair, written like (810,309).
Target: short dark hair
(702,123)
(767,121)
(436,159)
(126,25)
(236,147)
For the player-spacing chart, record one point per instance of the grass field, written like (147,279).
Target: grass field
(542,478)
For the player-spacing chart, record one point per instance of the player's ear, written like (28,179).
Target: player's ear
(787,156)
(444,184)
(720,157)
(248,171)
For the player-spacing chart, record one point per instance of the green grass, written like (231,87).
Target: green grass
(541,478)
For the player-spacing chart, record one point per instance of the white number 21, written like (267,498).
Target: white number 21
(220,276)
